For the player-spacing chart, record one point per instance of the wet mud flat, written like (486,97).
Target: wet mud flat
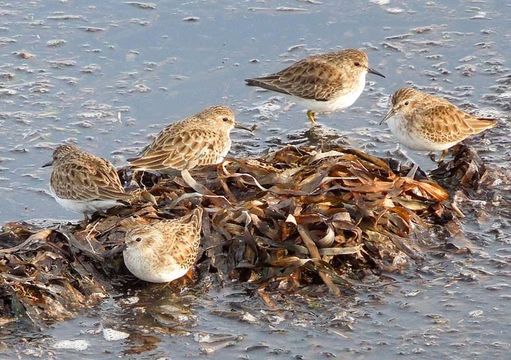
(57,58)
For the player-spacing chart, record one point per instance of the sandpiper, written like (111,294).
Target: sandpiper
(424,122)
(321,83)
(164,250)
(83,182)
(201,139)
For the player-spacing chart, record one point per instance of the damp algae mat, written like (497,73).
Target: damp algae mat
(110,74)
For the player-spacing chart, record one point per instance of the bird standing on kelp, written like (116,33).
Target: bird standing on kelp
(83,182)
(425,122)
(165,249)
(201,139)
(321,83)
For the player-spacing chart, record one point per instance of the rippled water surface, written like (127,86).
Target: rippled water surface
(108,74)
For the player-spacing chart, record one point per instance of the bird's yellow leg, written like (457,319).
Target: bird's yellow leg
(85,220)
(311,116)
(442,156)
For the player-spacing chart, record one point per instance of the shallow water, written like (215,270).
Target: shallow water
(111,74)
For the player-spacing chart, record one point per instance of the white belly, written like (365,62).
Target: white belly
(145,270)
(85,207)
(224,153)
(338,103)
(413,141)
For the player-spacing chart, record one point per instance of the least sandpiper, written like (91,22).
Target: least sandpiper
(83,182)
(165,249)
(322,83)
(201,139)
(425,122)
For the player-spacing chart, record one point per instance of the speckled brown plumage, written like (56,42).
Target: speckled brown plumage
(79,175)
(318,77)
(165,249)
(202,139)
(425,122)
(328,81)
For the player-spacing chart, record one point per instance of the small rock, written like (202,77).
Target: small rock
(114,335)
(24,54)
(412,293)
(395,10)
(130,301)
(78,345)
(142,5)
(476,313)
(55,42)
(249,318)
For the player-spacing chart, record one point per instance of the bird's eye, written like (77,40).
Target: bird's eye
(357,63)
(407,103)
(225,119)
(139,239)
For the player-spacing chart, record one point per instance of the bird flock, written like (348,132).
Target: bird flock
(166,249)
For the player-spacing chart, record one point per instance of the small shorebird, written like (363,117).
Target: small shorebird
(165,249)
(322,83)
(201,139)
(425,122)
(83,182)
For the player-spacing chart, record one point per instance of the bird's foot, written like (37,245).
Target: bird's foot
(311,115)
(442,156)
(85,221)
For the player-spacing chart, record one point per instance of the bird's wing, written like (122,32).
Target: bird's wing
(182,238)
(181,150)
(170,129)
(447,123)
(480,124)
(310,78)
(92,179)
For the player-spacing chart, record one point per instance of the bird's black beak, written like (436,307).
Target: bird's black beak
(114,251)
(391,113)
(237,125)
(48,164)
(372,71)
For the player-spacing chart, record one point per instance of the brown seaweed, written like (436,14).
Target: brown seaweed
(298,216)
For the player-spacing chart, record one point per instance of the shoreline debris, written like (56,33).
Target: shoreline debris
(291,218)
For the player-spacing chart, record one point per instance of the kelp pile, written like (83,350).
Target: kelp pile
(294,217)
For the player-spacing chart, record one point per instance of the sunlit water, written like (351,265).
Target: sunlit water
(110,74)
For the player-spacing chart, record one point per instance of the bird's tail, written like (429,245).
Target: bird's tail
(196,217)
(480,124)
(253,82)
